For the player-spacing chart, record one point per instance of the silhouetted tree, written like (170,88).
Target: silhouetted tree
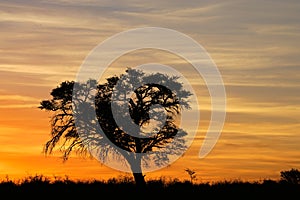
(192,174)
(78,107)
(290,176)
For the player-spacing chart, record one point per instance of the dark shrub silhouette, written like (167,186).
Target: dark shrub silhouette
(192,174)
(76,106)
(291,176)
(39,186)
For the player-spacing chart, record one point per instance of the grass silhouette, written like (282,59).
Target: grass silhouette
(42,186)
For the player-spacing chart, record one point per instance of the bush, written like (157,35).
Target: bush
(290,176)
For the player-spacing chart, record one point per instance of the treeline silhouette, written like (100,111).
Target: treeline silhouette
(33,186)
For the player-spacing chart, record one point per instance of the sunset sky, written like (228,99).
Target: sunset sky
(255,45)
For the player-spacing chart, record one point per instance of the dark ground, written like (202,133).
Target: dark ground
(39,187)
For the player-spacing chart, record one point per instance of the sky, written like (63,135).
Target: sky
(255,45)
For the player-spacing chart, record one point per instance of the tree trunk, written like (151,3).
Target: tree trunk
(135,164)
(139,179)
